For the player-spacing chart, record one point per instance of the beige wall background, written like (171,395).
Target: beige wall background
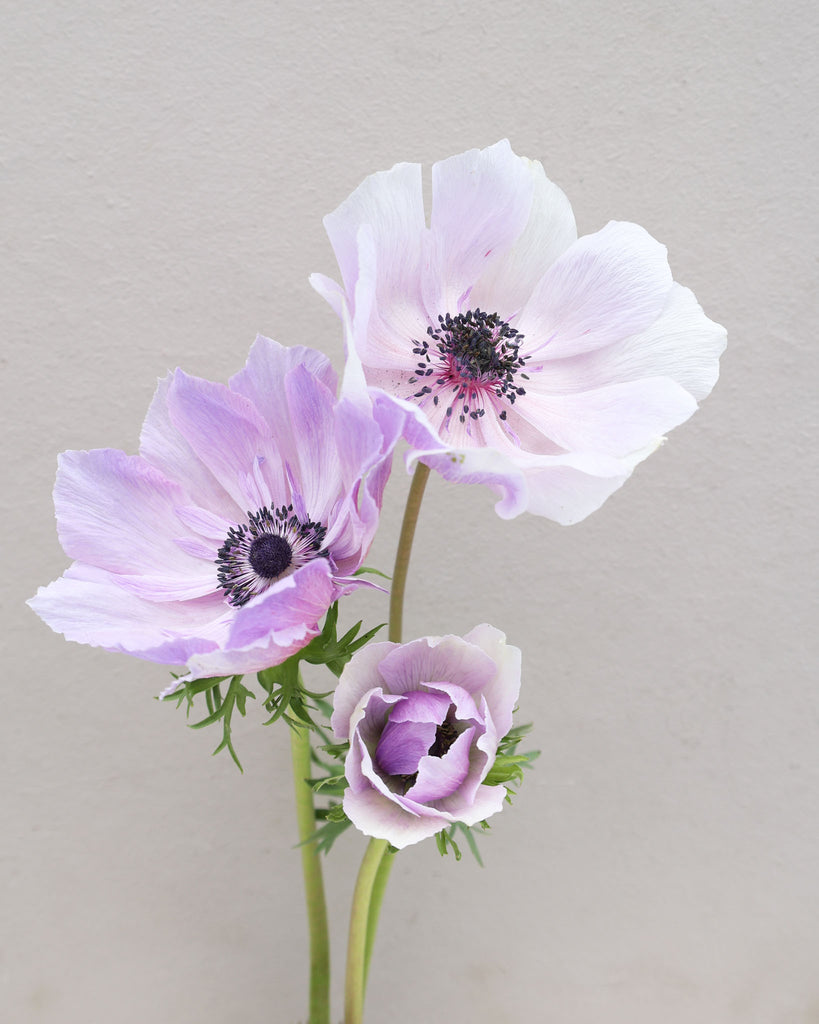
(165,168)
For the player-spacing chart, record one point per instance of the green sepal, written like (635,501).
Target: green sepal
(509,765)
(445,840)
(330,650)
(220,708)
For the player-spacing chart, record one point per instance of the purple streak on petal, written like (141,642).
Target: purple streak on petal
(227,434)
(402,745)
(205,523)
(310,406)
(262,381)
(164,447)
(170,588)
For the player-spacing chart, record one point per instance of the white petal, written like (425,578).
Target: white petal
(550,230)
(605,287)
(682,344)
(481,202)
(616,420)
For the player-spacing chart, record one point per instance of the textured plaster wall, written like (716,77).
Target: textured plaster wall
(164,171)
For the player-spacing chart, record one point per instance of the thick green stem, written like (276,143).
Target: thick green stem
(376,899)
(358,938)
(402,555)
(313,880)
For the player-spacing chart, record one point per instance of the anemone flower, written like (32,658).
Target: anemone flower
(224,542)
(424,720)
(542,364)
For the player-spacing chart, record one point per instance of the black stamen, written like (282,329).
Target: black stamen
(478,354)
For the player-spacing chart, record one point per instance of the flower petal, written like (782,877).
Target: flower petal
(262,380)
(310,408)
(117,511)
(481,203)
(506,285)
(681,344)
(503,689)
(615,420)
(376,815)
(361,675)
(390,205)
(447,658)
(439,777)
(88,607)
(230,437)
(287,611)
(161,444)
(604,288)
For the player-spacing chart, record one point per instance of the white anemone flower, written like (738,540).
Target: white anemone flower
(523,357)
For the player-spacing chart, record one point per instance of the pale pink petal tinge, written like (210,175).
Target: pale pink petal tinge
(544,365)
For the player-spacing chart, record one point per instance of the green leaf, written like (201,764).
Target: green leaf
(375,572)
(332,785)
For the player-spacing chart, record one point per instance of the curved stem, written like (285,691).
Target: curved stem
(358,939)
(402,555)
(313,880)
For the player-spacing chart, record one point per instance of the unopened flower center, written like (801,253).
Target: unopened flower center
(405,741)
(269,546)
(467,359)
(445,736)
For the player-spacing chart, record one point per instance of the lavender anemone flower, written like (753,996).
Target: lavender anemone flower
(424,720)
(543,365)
(224,542)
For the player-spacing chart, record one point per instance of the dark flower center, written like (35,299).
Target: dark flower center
(472,355)
(270,545)
(270,555)
(445,735)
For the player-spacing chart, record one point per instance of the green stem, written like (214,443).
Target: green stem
(375,867)
(313,880)
(358,938)
(376,899)
(402,555)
